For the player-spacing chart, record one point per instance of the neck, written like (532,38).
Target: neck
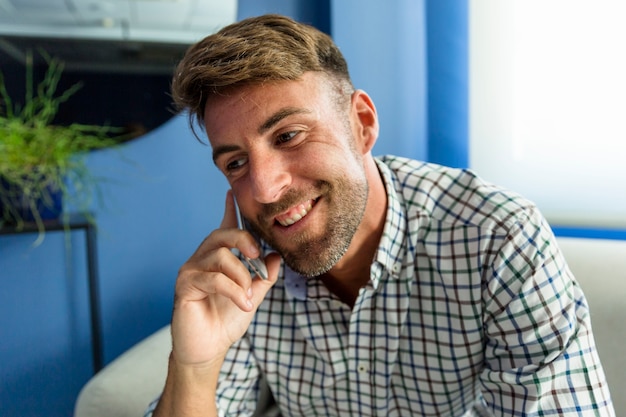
(352,271)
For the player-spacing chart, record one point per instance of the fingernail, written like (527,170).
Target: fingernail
(250,292)
(249,304)
(254,251)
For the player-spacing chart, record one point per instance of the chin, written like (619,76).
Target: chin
(316,259)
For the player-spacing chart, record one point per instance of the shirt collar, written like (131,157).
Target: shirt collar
(390,249)
(388,258)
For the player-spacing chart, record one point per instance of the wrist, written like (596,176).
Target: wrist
(190,389)
(197,370)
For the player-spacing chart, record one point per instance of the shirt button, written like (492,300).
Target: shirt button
(396,267)
(362,368)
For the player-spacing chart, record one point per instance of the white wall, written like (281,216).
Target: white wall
(548,104)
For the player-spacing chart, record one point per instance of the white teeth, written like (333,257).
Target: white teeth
(296,217)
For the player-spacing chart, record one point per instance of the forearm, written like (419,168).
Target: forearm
(214,303)
(189,391)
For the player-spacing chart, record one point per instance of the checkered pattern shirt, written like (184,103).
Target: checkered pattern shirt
(470,310)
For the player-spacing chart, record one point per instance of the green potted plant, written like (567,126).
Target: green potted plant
(42,164)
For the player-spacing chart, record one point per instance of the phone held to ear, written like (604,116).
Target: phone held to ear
(257,265)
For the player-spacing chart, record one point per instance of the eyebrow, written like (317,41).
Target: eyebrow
(220,150)
(265,126)
(280,115)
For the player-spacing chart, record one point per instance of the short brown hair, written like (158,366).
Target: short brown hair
(255,50)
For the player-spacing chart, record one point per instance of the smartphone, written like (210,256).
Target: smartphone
(257,265)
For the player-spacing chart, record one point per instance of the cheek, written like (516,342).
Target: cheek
(342,167)
(328,161)
(327,155)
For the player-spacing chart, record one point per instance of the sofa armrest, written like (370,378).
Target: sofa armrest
(126,386)
(599,265)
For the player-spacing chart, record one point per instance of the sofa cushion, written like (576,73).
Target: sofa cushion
(599,265)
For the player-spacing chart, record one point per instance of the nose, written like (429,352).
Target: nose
(269,177)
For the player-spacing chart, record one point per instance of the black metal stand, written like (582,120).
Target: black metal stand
(77,222)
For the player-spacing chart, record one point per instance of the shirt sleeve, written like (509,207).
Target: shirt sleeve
(151,407)
(238,385)
(540,355)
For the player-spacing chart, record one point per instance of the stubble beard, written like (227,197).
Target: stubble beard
(312,256)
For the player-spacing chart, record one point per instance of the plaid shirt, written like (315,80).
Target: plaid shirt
(470,310)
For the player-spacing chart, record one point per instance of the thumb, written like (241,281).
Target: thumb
(272,262)
(260,287)
(230,215)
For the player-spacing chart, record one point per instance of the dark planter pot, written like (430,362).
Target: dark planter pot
(15,207)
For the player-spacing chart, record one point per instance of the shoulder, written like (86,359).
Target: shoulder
(454,196)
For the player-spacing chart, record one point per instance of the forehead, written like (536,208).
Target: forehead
(251,105)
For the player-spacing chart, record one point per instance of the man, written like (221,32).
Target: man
(394,287)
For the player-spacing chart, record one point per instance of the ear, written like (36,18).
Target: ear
(364,121)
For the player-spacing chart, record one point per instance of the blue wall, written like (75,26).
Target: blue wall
(411,56)
(448,82)
(44,333)
(163,195)
(385,46)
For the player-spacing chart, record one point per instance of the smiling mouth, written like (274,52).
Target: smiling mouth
(295,214)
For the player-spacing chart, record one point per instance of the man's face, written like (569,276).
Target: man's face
(289,152)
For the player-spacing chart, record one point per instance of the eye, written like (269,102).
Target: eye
(235,164)
(286,137)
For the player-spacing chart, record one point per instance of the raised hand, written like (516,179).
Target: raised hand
(215,297)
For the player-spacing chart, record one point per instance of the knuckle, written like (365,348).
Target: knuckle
(222,258)
(222,252)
